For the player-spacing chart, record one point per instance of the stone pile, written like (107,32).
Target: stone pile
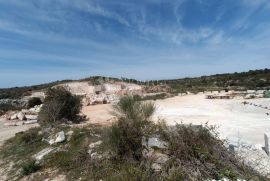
(54,139)
(100,98)
(25,116)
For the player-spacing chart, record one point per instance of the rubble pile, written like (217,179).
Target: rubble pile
(100,98)
(25,116)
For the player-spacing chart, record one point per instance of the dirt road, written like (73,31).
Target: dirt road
(99,114)
(7,132)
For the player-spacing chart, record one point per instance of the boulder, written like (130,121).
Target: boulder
(40,155)
(31,117)
(93,145)
(21,116)
(13,116)
(30,122)
(36,109)
(159,159)
(156,167)
(154,142)
(95,155)
(58,138)
(69,135)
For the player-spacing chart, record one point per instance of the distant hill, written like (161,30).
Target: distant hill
(253,79)
(18,92)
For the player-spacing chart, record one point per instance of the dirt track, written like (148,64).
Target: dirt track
(7,132)
(99,114)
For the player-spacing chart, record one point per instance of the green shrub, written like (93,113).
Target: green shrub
(150,97)
(34,101)
(29,167)
(133,124)
(8,107)
(28,137)
(60,105)
(198,148)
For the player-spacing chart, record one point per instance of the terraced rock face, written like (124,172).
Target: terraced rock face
(79,88)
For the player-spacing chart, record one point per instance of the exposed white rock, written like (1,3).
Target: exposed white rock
(93,145)
(31,117)
(69,135)
(30,122)
(58,138)
(156,167)
(95,155)
(154,142)
(21,116)
(255,157)
(36,109)
(19,123)
(13,116)
(40,155)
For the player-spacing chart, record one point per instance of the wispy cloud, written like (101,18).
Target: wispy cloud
(141,39)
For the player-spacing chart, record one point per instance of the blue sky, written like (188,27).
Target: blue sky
(45,40)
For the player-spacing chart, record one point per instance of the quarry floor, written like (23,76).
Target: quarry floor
(235,121)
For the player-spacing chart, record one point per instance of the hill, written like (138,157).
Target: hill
(253,79)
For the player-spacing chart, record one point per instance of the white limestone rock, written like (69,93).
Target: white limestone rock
(58,138)
(31,117)
(93,145)
(30,122)
(21,116)
(69,135)
(13,116)
(40,155)
(154,142)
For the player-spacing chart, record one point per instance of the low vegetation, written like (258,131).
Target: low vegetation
(151,97)
(29,166)
(8,107)
(253,79)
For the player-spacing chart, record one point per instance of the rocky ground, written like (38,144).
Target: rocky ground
(237,121)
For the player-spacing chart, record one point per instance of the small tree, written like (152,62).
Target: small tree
(60,105)
(134,123)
